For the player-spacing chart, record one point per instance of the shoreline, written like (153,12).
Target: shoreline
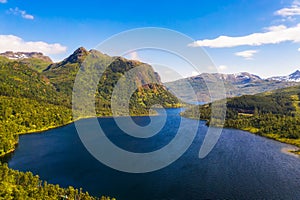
(294,150)
(291,151)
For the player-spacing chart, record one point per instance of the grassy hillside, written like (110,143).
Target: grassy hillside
(36,63)
(274,114)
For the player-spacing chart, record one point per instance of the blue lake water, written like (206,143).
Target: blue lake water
(241,166)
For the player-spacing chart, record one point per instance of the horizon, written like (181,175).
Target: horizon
(255,37)
(129,58)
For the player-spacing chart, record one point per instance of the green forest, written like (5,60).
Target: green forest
(15,185)
(274,114)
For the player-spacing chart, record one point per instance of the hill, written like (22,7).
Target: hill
(274,114)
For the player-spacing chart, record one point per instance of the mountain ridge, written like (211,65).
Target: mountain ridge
(293,77)
(237,84)
(23,55)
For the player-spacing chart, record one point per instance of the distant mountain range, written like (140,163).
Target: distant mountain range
(235,85)
(23,55)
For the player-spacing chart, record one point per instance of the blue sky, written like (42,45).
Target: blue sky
(260,36)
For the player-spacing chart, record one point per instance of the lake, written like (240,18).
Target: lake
(241,166)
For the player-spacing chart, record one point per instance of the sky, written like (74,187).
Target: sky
(261,37)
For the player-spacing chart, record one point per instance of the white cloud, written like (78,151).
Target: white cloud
(299,49)
(275,35)
(3,1)
(248,55)
(222,67)
(275,28)
(134,56)
(291,11)
(195,73)
(16,11)
(14,43)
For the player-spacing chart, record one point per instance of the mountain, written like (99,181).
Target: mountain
(294,77)
(63,74)
(274,114)
(33,101)
(23,55)
(239,78)
(35,60)
(235,85)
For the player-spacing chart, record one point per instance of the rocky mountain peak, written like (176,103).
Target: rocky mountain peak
(77,56)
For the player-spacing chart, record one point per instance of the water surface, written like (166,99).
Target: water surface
(241,166)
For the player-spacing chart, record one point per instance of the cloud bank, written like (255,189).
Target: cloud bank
(274,35)
(14,43)
(290,11)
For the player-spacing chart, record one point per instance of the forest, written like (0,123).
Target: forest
(19,186)
(274,114)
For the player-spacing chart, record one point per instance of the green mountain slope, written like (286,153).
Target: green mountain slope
(274,114)
(36,63)
(19,80)
(63,74)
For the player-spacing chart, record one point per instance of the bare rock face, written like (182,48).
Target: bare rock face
(24,55)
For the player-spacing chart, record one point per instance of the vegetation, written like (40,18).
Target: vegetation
(19,185)
(63,74)
(272,114)
(33,101)
(19,80)
(36,63)
(23,115)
